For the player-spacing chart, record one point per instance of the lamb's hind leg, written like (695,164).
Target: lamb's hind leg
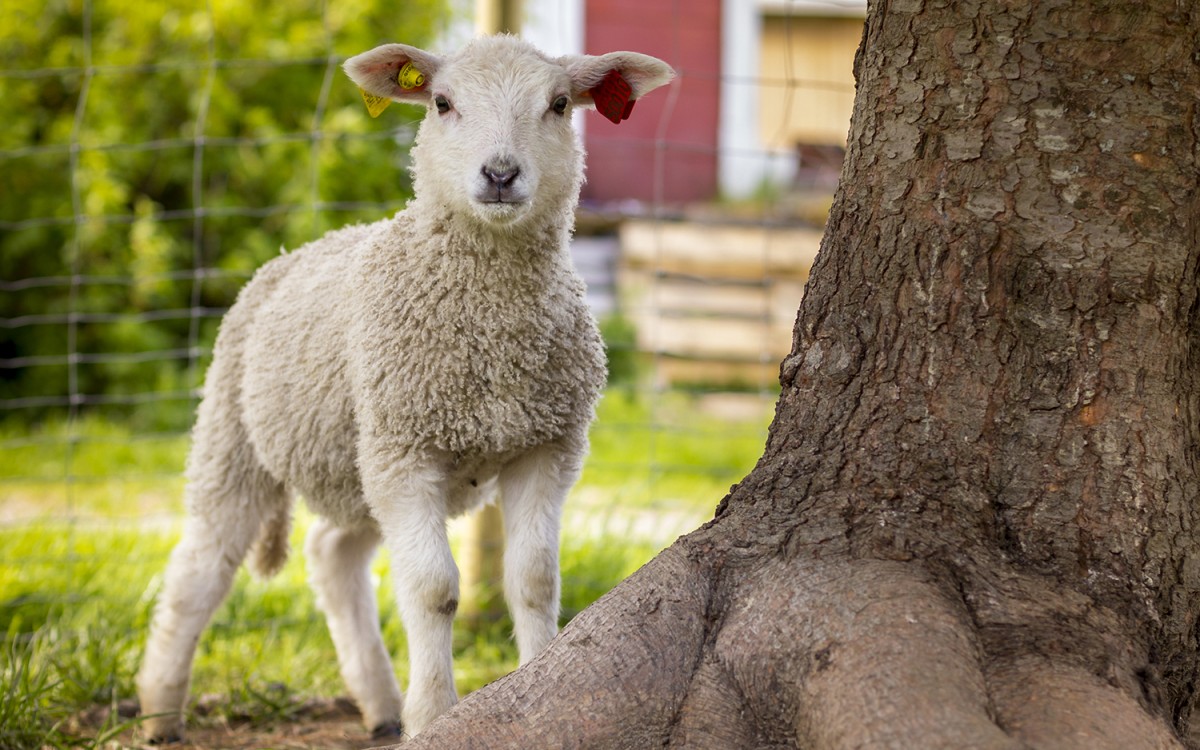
(339,560)
(216,537)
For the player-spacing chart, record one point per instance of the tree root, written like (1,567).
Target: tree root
(813,654)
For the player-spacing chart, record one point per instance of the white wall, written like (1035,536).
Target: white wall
(740,164)
(554,26)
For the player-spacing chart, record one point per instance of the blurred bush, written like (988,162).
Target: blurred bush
(159,152)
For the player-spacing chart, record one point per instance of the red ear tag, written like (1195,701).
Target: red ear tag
(612,97)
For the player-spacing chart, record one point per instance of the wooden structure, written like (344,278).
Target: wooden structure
(714,302)
(806,68)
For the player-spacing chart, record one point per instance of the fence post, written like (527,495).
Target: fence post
(498,16)
(482,557)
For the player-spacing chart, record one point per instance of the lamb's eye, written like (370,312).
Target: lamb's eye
(442,104)
(560,105)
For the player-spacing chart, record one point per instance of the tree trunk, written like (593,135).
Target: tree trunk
(974,521)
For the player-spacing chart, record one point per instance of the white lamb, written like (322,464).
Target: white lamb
(400,373)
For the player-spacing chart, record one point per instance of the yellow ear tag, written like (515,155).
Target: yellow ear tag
(409,77)
(375,104)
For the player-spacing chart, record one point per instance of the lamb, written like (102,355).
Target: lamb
(403,372)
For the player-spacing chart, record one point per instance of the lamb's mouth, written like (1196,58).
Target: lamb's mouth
(500,197)
(502,202)
(501,208)
(501,211)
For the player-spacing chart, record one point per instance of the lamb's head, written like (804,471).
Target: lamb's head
(497,142)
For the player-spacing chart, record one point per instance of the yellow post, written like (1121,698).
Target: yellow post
(482,566)
(498,16)
(482,557)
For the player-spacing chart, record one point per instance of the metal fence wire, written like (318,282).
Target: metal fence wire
(141,187)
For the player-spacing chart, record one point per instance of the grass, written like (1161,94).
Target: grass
(90,511)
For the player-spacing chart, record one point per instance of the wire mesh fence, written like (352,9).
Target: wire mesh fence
(154,155)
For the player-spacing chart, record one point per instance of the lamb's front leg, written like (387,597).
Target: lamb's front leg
(408,500)
(533,489)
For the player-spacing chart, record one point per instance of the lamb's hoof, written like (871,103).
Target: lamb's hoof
(170,738)
(162,729)
(388,730)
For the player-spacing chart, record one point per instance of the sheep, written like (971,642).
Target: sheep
(403,372)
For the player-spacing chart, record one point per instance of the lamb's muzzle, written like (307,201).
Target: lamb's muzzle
(501,176)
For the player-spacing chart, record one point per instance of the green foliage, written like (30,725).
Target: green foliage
(96,448)
(71,619)
(656,449)
(620,348)
(108,132)
(27,685)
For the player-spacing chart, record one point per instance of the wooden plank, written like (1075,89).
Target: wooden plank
(774,301)
(716,338)
(720,374)
(719,250)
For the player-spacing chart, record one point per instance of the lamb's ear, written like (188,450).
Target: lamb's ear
(381,73)
(613,82)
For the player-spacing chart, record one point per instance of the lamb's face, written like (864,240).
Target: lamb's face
(497,140)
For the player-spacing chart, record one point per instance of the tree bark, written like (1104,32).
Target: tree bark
(974,523)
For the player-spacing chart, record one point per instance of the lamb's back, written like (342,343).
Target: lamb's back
(296,397)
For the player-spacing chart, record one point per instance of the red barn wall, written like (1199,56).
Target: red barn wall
(625,161)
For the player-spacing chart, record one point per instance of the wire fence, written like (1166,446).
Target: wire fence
(132,208)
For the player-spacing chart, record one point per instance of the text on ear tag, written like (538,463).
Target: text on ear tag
(375,104)
(612,97)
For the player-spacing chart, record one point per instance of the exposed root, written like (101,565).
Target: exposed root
(1062,705)
(808,653)
(614,678)
(861,654)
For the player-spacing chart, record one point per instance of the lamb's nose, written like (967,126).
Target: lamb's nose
(502,176)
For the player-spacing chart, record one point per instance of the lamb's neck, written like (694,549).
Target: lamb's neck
(533,238)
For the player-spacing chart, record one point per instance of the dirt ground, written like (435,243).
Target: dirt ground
(331,724)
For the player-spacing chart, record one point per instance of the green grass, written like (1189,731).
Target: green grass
(89,467)
(90,512)
(656,448)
